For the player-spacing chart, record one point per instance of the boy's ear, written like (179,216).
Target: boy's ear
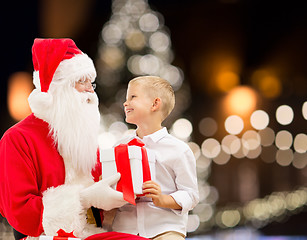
(156,104)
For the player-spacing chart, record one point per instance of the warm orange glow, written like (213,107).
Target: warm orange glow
(270,87)
(268,83)
(226,80)
(241,101)
(225,71)
(218,70)
(19,88)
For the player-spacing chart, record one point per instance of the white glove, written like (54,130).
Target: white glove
(101,195)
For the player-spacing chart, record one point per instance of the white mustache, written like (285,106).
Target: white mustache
(90,98)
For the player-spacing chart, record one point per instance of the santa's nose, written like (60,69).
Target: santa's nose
(90,87)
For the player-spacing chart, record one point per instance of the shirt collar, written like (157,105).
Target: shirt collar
(155,137)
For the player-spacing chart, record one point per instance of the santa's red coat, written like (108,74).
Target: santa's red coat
(29,165)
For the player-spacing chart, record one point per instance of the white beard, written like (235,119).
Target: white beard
(74,125)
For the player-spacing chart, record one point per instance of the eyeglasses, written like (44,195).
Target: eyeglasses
(86,83)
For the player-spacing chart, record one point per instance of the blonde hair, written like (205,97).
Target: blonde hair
(158,87)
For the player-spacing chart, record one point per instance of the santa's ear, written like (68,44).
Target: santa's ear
(156,104)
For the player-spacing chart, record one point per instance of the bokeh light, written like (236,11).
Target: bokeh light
(231,144)
(149,22)
(268,154)
(111,34)
(212,195)
(113,57)
(210,148)
(284,115)
(241,101)
(222,158)
(106,140)
(284,157)
(230,218)
(300,143)
(172,74)
(204,211)
(241,153)
(304,110)
(251,140)
(207,126)
(254,153)
(267,83)
(195,149)
(182,128)
(133,64)
(203,163)
(149,64)
(135,40)
(284,140)
(299,160)
(193,222)
(159,41)
(267,136)
(227,80)
(19,88)
(234,124)
(117,128)
(259,119)
(223,68)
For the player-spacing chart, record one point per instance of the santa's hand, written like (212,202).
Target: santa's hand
(101,195)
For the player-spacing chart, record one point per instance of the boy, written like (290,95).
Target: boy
(163,212)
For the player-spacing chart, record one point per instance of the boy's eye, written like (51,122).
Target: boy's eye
(133,96)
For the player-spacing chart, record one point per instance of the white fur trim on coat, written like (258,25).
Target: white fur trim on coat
(63,210)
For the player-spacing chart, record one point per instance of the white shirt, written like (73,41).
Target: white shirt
(176,175)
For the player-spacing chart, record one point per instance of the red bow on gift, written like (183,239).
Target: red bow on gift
(62,233)
(125,185)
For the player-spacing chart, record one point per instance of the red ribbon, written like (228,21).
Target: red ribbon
(62,233)
(125,185)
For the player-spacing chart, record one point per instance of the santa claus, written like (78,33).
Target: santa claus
(49,168)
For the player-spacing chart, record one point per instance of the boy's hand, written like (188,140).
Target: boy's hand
(152,190)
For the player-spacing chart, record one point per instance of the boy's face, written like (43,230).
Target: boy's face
(138,105)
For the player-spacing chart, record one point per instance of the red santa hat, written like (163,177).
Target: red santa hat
(47,55)
(61,55)
(57,62)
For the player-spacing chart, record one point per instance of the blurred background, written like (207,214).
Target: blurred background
(239,73)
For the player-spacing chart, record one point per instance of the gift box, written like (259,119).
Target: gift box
(109,167)
(57,238)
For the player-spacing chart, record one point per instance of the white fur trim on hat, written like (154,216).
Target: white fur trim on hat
(69,71)
(39,103)
(74,68)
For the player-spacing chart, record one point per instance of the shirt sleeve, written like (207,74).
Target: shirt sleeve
(20,199)
(187,195)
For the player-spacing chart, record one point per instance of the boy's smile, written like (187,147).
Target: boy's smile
(128,110)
